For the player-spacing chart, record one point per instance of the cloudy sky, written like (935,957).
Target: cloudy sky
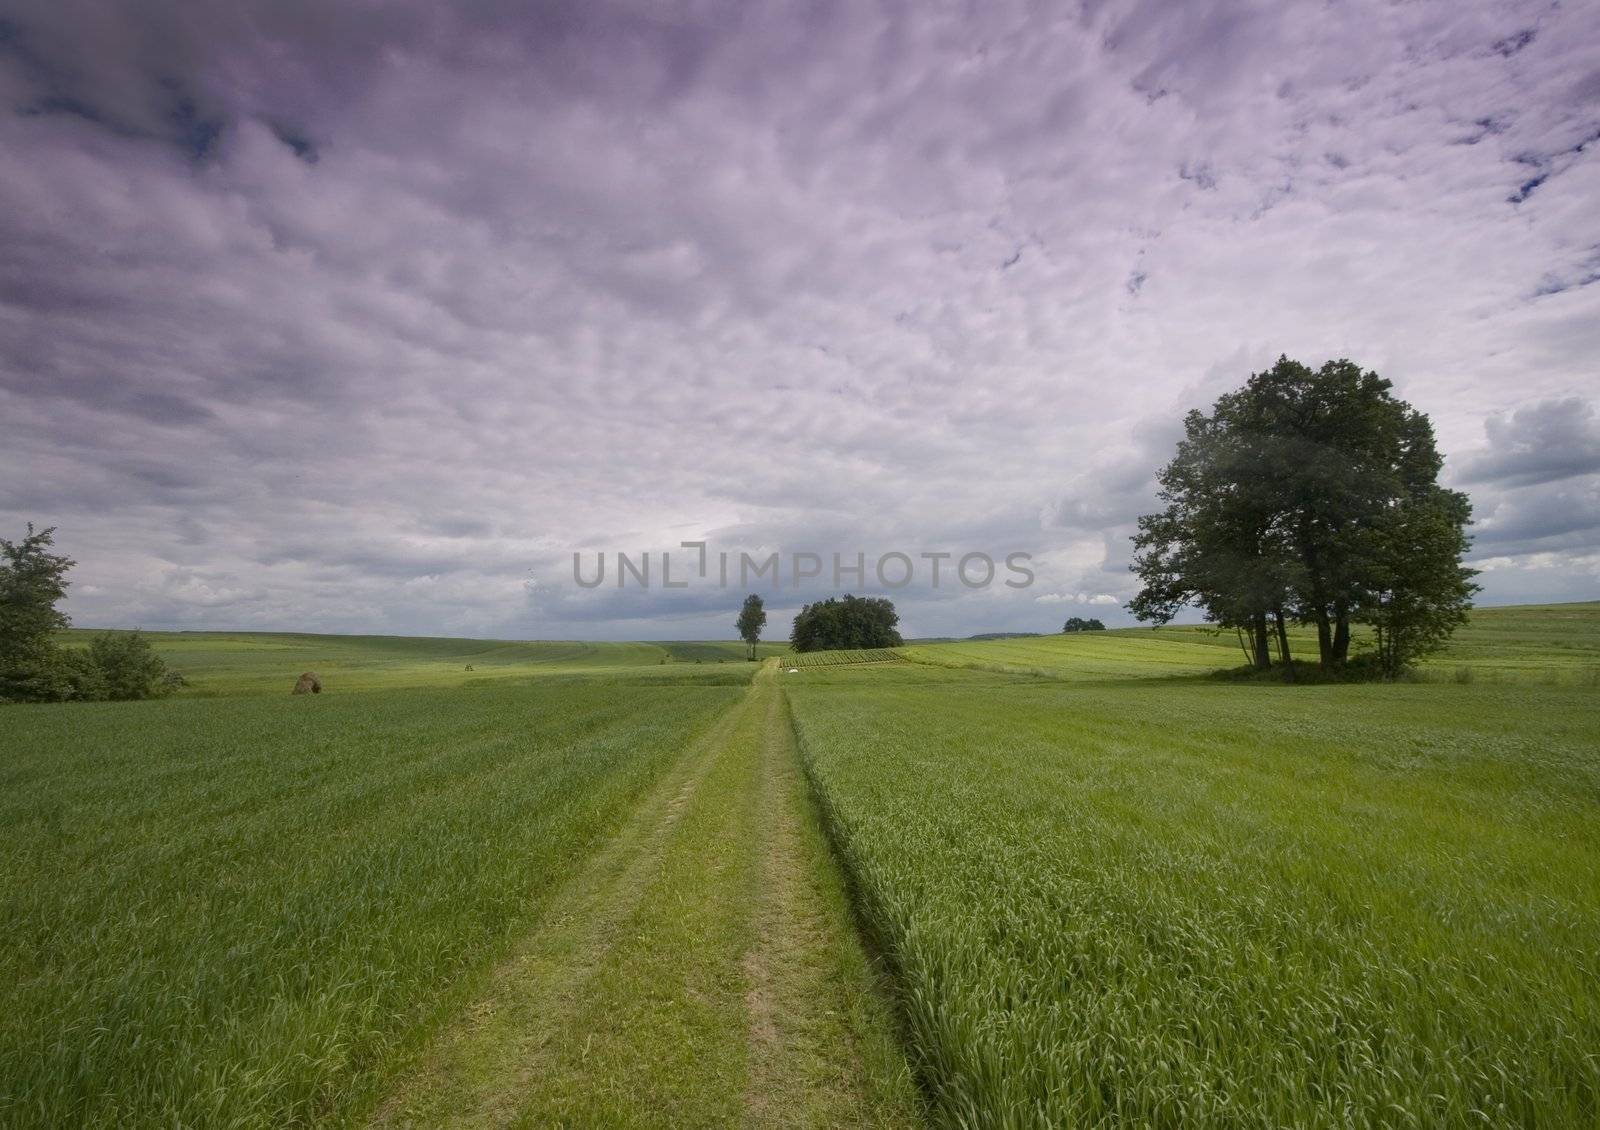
(367,318)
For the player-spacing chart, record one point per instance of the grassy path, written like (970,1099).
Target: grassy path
(701,970)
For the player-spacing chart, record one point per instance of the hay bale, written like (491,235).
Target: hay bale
(308,683)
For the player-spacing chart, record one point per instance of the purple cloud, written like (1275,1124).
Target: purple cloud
(331,319)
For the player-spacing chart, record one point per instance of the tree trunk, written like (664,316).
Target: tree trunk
(1283,646)
(1263,646)
(1324,639)
(1341,638)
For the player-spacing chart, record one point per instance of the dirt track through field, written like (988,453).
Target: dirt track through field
(701,969)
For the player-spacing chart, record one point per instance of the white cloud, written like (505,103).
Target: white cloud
(1102,599)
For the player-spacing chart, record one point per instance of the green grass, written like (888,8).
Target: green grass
(1126,654)
(627,999)
(1182,903)
(1553,643)
(239,912)
(1109,887)
(233,663)
(700,969)
(717,651)
(1532,643)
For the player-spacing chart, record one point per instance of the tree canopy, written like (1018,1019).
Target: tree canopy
(752,618)
(1079,624)
(32,581)
(847,622)
(32,668)
(1309,496)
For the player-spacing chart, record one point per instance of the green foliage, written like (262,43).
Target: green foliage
(32,582)
(115,666)
(846,623)
(32,667)
(752,618)
(1420,592)
(76,677)
(1306,495)
(128,667)
(1079,624)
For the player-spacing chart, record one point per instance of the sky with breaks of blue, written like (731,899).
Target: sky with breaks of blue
(366,318)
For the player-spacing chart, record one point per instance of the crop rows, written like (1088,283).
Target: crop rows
(843,658)
(1199,905)
(230,912)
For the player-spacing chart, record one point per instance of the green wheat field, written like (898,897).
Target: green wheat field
(1055,881)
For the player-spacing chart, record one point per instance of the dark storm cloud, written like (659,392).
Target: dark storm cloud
(1121,484)
(1539,443)
(365,318)
(1542,519)
(1536,500)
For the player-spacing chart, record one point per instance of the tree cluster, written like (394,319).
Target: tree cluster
(33,668)
(1309,496)
(1079,624)
(847,622)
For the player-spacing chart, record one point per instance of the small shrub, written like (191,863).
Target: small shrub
(129,666)
(77,677)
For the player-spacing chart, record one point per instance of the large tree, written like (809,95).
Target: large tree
(846,622)
(752,618)
(1295,498)
(1219,543)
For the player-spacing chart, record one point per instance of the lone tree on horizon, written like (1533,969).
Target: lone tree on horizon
(752,618)
(1312,496)
(1079,624)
